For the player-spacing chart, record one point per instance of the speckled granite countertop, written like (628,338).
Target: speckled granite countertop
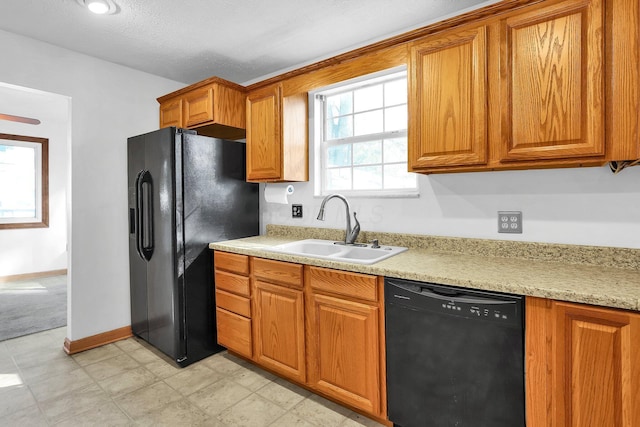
(602,276)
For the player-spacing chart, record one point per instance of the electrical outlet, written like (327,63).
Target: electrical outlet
(509,222)
(296,211)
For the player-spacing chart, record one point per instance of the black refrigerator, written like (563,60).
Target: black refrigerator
(185,191)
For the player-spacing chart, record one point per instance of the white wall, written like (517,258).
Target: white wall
(586,206)
(109,104)
(39,249)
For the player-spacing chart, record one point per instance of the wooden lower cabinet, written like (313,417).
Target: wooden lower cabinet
(345,338)
(344,349)
(320,328)
(279,329)
(233,303)
(234,332)
(582,365)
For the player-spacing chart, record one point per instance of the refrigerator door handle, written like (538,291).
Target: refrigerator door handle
(144,202)
(138,215)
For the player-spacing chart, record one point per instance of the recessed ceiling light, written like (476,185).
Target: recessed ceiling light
(99,7)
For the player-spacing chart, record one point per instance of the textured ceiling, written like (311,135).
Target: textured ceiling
(240,40)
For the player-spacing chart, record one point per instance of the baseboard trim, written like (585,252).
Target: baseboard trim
(26,276)
(73,347)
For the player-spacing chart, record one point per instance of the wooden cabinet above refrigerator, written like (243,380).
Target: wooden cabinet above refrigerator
(213,107)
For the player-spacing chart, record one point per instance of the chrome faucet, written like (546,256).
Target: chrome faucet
(351,234)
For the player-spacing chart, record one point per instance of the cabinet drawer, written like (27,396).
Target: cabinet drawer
(233,303)
(234,332)
(234,263)
(232,283)
(285,273)
(356,285)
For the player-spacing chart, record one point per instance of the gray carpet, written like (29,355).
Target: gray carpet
(30,306)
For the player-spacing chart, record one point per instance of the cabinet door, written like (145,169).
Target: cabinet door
(171,113)
(229,106)
(279,329)
(583,365)
(344,351)
(198,106)
(264,134)
(597,367)
(552,71)
(448,100)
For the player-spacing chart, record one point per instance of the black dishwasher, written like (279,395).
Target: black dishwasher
(455,356)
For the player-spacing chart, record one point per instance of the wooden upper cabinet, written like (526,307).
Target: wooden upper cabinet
(583,365)
(530,88)
(198,106)
(623,79)
(277,136)
(213,107)
(448,99)
(171,113)
(264,134)
(552,82)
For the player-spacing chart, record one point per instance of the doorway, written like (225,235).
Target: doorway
(34,260)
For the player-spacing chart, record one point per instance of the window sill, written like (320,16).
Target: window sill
(377,195)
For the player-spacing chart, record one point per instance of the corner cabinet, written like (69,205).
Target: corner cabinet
(583,365)
(277,141)
(213,107)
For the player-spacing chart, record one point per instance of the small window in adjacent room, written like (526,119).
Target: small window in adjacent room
(361,138)
(24,188)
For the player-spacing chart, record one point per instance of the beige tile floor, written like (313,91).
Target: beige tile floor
(126,383)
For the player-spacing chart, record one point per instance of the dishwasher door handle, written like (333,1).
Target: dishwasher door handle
(452,296)
(444,293)
(461,297)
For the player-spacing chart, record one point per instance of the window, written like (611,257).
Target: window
(363,138)
(24,189)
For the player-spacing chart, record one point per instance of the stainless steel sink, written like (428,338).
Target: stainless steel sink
(335,251)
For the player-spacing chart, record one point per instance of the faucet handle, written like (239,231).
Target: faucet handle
(374,243)
(352,234)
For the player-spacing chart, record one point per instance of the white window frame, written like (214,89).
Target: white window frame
(317,130)
(41,193)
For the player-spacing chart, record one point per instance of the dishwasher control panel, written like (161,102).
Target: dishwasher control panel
(461,302)
(479,310)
